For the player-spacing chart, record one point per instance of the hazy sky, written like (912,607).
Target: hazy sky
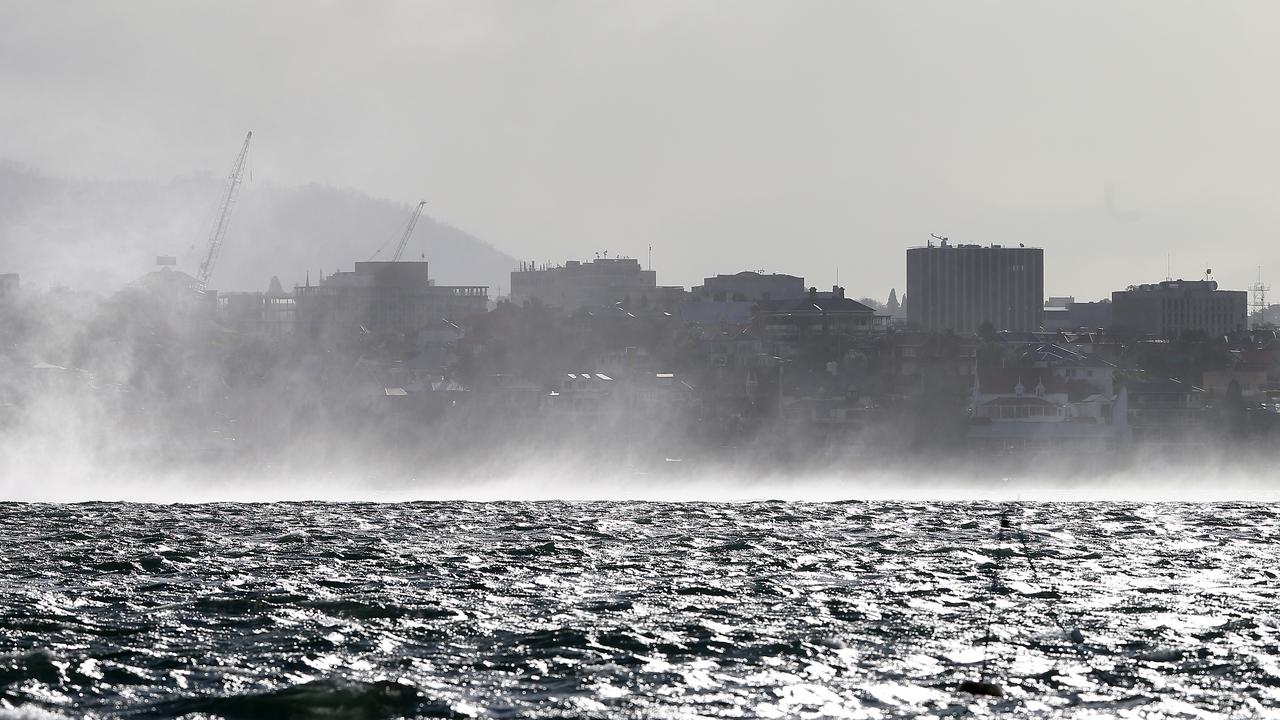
(791,136)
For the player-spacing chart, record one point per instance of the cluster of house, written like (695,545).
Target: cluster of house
(1068,394)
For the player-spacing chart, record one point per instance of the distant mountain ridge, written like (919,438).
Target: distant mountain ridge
(102,234)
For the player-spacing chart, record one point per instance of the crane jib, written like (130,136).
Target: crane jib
(223,217)
(408,231)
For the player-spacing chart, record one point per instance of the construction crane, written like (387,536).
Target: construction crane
(408,231)
(223,217)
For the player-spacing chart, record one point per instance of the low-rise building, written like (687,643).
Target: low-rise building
(1082,374)
(1252,384)
(1166,412)
(706,311)
(1030,394)
(642,397)
(790,323)
(272,313)
(1268,316)
(1022,409)
(508,396)
(920,363)
(1064,313)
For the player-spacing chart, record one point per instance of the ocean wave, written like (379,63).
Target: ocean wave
(625,610)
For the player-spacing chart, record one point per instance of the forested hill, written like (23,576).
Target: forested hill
(94,234)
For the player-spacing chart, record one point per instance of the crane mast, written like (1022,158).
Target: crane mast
(223,217)
(408,231)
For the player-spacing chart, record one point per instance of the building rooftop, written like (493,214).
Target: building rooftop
(747,274)
(1005,381)
(620,262)
(815,305)
(947,245)
(1056,354)
(1175,285)
(1030,399)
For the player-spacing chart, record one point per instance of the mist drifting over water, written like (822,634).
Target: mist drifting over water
(65,449)
(128,411)
(37,470)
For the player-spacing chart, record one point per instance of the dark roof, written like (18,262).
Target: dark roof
(804,305)
(166,280)
(753,274)
(1161,386)
(1004,381)
(1021,400)
(1059,355)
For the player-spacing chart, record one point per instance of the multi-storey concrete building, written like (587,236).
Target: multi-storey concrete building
(1064,313)
(731,299)
(960,287)
(383,297)
(603,281)
(1173,307)
(745,286)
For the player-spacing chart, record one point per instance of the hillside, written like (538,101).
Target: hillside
(94,234)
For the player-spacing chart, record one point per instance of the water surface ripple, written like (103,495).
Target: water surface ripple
(665,610)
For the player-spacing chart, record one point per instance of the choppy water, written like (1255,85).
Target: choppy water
(636,610)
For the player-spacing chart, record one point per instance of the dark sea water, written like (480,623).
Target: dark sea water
(633,610)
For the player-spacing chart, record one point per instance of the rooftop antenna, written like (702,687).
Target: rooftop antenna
(1168,266)
(1258,297)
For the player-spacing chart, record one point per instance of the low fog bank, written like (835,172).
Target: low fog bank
(146,395)
(60,477)
(71,449)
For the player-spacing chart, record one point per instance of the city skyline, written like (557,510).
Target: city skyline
(361,242)
(801,141)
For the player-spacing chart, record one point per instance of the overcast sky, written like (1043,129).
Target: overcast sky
(788,136)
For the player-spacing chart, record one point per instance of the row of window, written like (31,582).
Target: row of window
(1014,412)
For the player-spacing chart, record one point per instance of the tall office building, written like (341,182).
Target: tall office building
(1173,307)
(959,287)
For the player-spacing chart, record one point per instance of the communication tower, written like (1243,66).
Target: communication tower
(1258,298)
